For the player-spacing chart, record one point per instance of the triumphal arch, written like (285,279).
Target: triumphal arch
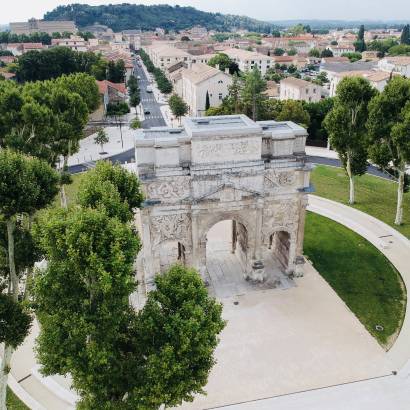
(223,168)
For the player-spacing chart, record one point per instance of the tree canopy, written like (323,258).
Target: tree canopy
(121,17)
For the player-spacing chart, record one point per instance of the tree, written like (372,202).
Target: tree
(185,38)
(135,124)
(125,182)
(117,110)
(292,52)
(207,102)
(293,110)
(178,106)
(116,71)
(314,52)
(135,100)
(346,125)
(84,85)
(101,138)
(389,133)
(278,52)
(399,50)
(252,93)
(360,44)
(178,329)
(326,53)
(317,113)
(405,35)
(28,184)
(353,56)
(223,61)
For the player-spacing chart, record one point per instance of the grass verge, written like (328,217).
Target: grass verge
(13,402)
(359,273)
(375,196)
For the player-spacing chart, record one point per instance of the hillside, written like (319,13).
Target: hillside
(135,16)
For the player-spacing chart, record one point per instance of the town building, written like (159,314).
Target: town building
(75,43)
(341,49)
(109,93)
(378,79)
(43,26)
(296,89)
(21,48)
(201,80)
(399,65)
(248,60)
(164,56)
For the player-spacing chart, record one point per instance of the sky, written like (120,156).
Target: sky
(269,10)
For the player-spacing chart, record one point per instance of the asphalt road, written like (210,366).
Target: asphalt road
(155,118)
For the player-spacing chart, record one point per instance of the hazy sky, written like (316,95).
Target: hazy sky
(21,10)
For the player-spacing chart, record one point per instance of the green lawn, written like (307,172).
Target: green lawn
(13,402)
(374,196)
(71,190)
(359,273)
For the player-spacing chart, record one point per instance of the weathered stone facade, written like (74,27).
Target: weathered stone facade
(219,168)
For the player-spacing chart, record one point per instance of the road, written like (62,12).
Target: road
(155,118)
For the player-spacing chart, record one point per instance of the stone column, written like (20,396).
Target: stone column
(149,268)
(299,260)
(234,236)
(301,226)
(195,241)
(257,272)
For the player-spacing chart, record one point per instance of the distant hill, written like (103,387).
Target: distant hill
(346,24)
(132,16)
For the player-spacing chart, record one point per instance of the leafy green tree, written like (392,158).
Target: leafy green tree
(314,52)
(317,113)
(346,126)
(84,85)
(116,71)
(178,106)
(278,52)
(54,62)
(27,185)
(389,133)
(101,138)
(353,56)
(360,44)
(117,110)
(405,35)
(178,330)
(124,182)
(399,50)
(252,93)
(81,299)
(223,61)
(382,46)
(293,110)
(292,52)
(326,53)
(135,124)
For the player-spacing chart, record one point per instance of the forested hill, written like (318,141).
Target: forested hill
(134,16)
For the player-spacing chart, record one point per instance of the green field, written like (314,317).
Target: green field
(359,273)
(374,196)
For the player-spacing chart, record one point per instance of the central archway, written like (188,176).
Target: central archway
(227,256)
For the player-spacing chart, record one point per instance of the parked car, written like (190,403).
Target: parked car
(147,112)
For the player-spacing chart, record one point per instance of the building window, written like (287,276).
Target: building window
(220,82)
(220,96)
(314,91)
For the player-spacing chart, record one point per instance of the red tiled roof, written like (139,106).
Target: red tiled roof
(105,84)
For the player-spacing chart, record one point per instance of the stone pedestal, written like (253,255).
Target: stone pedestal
(299,266)
(257,273)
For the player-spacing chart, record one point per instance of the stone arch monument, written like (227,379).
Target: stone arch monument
(218,168)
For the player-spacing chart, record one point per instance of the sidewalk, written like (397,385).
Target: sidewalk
(321,152)
(90,151)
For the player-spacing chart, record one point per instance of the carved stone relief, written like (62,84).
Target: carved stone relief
(175,227)
(176,189)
